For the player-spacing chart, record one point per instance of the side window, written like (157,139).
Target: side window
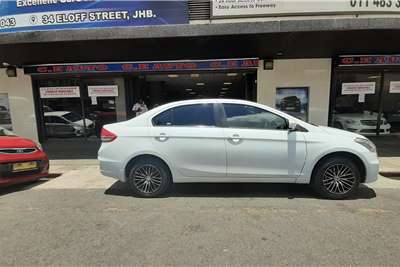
(163,119)
(48,119)
(189,115)
(58,120)
(244,116)
(194,115)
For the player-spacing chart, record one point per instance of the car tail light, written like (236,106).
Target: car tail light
(107,136)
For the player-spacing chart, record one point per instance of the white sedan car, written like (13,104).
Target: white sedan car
(61,123)
(220,140)
(361,123)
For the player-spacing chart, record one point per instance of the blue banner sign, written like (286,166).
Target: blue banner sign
(162,66)
(366,60)
(32,15)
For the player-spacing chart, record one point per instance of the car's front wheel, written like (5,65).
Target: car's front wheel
(149,177)
(336,178)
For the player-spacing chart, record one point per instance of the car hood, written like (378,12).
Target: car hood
(15,142)
(339,133)
(80,123)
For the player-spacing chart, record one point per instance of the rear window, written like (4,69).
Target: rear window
(189,115)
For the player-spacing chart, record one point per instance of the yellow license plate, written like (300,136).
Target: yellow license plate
(24,166)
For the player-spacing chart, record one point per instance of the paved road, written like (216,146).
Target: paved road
(81,218)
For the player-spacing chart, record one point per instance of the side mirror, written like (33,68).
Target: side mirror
(292,126)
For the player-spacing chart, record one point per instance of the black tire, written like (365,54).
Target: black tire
(336,188)
(161,180)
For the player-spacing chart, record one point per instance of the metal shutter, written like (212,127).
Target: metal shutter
(199,9)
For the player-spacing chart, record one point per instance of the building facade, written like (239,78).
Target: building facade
(70,67)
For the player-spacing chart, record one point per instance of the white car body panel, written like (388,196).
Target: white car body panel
(265,153)
(194,151)
(207,154)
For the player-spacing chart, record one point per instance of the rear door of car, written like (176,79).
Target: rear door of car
(189,137)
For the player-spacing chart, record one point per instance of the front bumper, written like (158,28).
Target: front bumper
(369,130)
(7,177)
(372,169)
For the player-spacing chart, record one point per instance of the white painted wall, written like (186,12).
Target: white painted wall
(22,109)
(312,73)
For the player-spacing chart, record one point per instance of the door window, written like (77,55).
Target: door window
(58,120)
(48,119)
(163,119)
(245,116)
(189,115)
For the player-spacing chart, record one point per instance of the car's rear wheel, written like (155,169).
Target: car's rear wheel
(336,178)
(149,177)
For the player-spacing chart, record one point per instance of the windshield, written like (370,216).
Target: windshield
(4,132)
(72,116)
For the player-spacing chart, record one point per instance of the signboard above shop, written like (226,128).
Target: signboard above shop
(254,8)
(369,60)
(160,66)
(32,15)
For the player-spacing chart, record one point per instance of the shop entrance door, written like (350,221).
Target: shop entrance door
(71,113)
(154,89)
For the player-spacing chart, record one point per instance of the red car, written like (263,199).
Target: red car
(21,160)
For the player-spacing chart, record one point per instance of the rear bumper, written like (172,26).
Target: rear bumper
(111,169)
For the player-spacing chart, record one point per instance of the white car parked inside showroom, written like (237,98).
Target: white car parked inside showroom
(220,140)
(362,123)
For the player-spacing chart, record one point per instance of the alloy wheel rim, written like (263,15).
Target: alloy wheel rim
(147,179)
(338,179)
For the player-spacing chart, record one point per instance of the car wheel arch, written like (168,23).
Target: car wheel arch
(141,156)
(352,156)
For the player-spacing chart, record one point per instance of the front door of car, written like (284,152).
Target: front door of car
(260,146)
(188,137)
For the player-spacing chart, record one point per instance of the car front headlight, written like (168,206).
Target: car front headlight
(39,146)
(349,121)
(366,143)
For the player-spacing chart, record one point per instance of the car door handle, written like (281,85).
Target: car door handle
(235,138)
(162,137)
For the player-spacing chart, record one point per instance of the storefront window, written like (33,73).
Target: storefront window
(357,101)
(73,111)
(151,90)
(5,116)
(368,103)
(391,101)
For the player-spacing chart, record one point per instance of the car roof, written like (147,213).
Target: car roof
(56,113)
(207,100)
(164,107)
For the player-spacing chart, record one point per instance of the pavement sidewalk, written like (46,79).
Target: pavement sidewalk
(389,166)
